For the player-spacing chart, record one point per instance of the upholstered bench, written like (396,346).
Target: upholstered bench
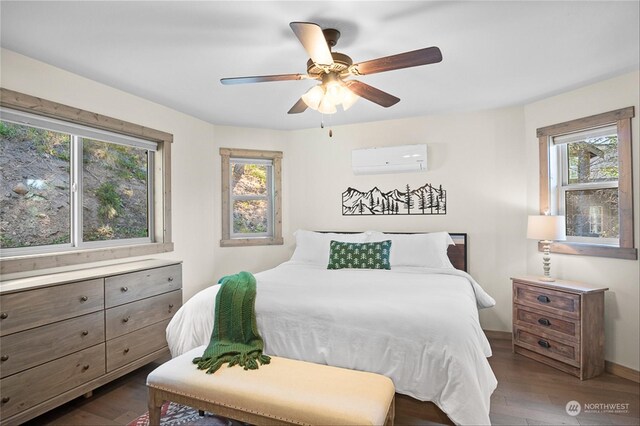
(283,392)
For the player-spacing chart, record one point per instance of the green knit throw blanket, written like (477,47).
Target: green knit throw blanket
(235,337)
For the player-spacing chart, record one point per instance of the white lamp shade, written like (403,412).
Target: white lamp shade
(313,97)
(549,228)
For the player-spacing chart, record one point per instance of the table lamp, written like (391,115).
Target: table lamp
(546,229)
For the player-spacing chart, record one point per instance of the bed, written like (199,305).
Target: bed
(415,323)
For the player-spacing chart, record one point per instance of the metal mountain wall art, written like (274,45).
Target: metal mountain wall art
(426,200)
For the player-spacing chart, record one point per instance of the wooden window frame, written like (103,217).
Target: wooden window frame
(162,242)
(276,157)
(622,119)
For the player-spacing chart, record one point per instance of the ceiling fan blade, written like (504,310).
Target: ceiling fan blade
(299,107)
(371,93)
(313,41)
(261,78)
(428,55)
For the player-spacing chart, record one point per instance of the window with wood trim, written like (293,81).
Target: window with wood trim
(586,175)
(251,197)
(78,186)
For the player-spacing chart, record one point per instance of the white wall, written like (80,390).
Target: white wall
(621,276)
(477,157)
(195,164)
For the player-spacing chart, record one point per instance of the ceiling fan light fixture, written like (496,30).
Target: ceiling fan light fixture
(313,97)
(326,106)
(349,99)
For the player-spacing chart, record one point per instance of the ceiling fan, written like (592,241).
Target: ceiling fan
(333,70)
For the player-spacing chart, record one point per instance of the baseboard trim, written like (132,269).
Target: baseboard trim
(609,366)
(622,371)
(498,335)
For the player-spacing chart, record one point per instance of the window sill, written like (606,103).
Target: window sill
(53,260)
(247,242)
(598,250)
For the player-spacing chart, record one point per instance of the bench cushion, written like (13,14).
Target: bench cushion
(288,390)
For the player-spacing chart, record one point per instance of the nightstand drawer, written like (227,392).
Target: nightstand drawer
(133,316)
(554,348)
(558,302)
(547,322)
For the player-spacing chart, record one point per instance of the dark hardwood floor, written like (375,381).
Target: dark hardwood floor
(528,393)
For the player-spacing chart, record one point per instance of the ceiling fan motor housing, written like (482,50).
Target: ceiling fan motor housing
(341,62)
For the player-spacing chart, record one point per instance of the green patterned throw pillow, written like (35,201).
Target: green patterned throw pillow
(359,255)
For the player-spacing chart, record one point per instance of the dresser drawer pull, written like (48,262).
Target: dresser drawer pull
(5,399)
(85,367)
(85,332)
(4,357)
(170,279)
(125,319)
(124,289)
(543,299)
(544,343)
(544,321)
(84,298)
(126,350)
(4,315)
(170,305)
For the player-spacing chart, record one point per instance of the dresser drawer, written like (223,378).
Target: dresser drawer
(133,286)
(561,303)
(33,308)
(546,322)
(128,348)
(27,349)
(133,316)
(31,387)
(554,348)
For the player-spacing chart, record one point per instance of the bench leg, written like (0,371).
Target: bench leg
(155,405)
(201,413)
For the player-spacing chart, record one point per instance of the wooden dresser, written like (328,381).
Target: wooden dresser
(561,324)
(63,335)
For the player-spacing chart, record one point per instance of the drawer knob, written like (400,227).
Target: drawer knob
(4,315)
(126,350)
(544,321)
(125,319)
(544,343)
(5,399)
(170,279)
(124,289)
(543,299)
(170,305)
(4,357)
(84,298)
(85,332)
(85,367)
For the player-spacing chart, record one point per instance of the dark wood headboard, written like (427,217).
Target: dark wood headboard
(457,254)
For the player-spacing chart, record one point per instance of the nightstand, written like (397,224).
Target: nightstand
(560,324)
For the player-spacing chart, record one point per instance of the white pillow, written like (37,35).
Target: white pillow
(313,247)
(422,250)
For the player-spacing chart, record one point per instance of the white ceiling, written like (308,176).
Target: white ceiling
(496,54)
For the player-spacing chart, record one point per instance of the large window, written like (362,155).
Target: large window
(68,187)
(586,176)
(251,207)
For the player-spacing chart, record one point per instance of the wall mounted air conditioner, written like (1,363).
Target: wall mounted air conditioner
(390,159)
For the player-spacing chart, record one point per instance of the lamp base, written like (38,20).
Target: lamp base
(547,279)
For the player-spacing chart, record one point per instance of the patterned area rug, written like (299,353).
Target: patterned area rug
(175,414)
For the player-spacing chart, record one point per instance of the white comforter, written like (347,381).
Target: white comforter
(417,326)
